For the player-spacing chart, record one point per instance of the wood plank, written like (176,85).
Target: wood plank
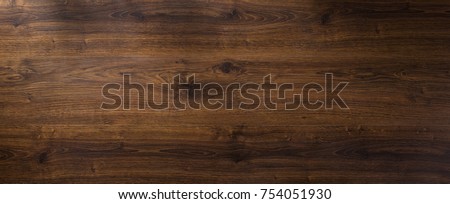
(55,57)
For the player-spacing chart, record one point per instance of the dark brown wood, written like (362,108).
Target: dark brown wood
(55,56)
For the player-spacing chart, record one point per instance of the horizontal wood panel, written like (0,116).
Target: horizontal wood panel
(55,56)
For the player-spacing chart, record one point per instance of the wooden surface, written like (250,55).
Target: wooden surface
(55,56)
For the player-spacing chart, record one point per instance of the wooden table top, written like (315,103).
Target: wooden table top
(56,56)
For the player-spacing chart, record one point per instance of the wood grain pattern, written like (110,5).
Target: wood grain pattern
(55,55)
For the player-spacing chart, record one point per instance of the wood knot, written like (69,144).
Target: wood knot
(326,17)
(17,22)
(11,78)
(233,14)
(228,68)
(43,157)
(240,155)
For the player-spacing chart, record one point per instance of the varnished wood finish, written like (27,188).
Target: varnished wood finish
(55,55)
